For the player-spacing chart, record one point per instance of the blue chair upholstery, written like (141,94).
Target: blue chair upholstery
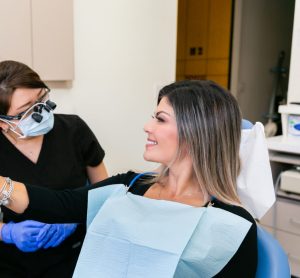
(272,260)
(246,124)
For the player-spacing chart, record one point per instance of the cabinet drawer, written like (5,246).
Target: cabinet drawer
(283,216)
(291,244)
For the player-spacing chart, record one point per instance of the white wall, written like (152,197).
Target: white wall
(124,51)
(294,83)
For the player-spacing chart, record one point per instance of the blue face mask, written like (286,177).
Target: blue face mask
(30,128)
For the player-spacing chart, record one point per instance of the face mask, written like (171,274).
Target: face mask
(30,128)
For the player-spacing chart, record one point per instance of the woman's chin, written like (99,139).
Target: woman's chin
(148,158)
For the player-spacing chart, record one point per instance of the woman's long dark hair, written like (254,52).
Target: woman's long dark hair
(209,130)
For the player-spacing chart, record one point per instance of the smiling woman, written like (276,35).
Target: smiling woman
(186,219)
(54,150)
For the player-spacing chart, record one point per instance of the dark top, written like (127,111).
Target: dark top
(66,152)
(71,206)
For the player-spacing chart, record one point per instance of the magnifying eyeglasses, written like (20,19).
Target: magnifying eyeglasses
(37,111)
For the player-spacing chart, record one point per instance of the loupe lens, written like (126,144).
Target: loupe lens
(47,108)
(51,104)
(37,117)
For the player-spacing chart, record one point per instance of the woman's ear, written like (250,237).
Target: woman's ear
(4,126)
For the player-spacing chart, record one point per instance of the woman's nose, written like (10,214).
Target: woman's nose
(147,126)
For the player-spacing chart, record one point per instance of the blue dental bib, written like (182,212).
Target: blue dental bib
(134,236)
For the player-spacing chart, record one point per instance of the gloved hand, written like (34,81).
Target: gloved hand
(22,234)
(52,235)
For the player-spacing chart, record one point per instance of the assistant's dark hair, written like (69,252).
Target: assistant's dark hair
(14,75)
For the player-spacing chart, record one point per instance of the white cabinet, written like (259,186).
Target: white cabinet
(39,33)
(283,220)
(15,31)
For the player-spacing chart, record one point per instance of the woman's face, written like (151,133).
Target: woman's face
(162,140)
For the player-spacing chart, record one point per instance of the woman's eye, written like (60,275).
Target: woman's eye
(159,119)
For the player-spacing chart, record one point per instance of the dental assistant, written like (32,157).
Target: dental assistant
(55,151)
(186,220)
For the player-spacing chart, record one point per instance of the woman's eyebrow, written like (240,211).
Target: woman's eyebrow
(162,112)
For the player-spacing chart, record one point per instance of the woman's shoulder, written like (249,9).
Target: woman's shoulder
(237,210)
(244,261)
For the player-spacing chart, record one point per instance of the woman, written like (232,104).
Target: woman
(184,221)
(54,151)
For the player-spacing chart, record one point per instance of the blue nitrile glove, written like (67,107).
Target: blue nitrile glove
(22,234)
(52,235)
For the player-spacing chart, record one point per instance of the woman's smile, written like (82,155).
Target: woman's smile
(150,143)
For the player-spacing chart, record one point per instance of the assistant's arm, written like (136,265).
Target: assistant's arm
(50,206)
(97,173)
(19,199)
(47,205)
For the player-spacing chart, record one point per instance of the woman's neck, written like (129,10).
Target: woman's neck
(182,184)
(180,181)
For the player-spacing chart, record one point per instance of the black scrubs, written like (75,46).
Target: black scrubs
(66,152)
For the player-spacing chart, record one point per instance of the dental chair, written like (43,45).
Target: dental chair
(246,124)
(272,260)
